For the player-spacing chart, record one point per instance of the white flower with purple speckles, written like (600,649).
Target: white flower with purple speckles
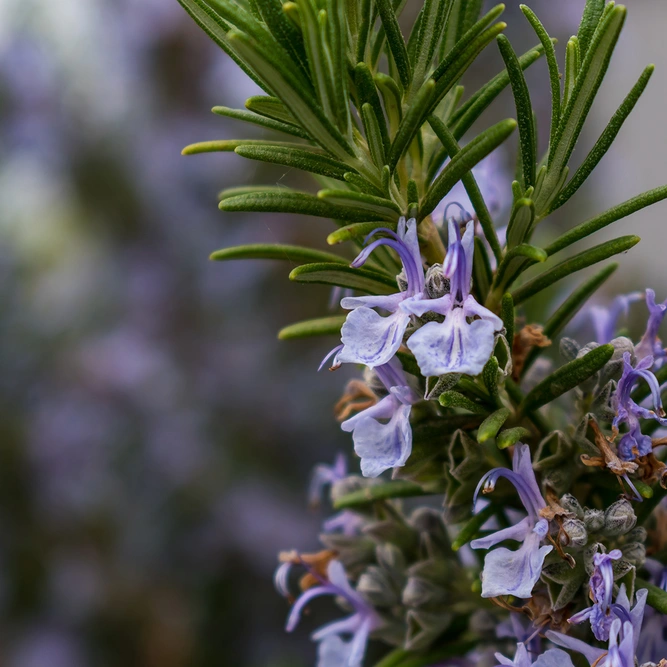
(460,344)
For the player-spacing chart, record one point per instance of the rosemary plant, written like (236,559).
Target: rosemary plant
(456,394)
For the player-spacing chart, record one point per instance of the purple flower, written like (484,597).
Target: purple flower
(653,644)
(515,572)
(382,434)
(634,443)
(368,338)
(347,521)
(650,345)
(605,319)
(601,588)
(456,345)
(333,650)
(552,658)
(623,633)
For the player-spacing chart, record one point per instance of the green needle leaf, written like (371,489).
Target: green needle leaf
(567,377)
(364,280)
(291,253)
(581,261)
(524,111)
(606,139)
(284,200)
(368,94)
(464,161)
(385,491)
(470,184)
(295,158)
(515,262)
(357,232)
(472,528)
(657,598)
(453,399)
(492,424)
(612,215)
(323,326)
(271,107)
(229,145)
(589,23)
(271,124)
(395,41)
(379,207)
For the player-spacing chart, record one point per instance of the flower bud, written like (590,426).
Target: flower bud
(637,534)
(571,504)
(635,553)
(574,534)
(593,520)
(436,283)
(619,518)
(569,348)
(402,281)
(423,593)
(376,586)
(424,627)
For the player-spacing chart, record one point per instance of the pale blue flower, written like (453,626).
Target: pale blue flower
(602,588)
(515,572)
(368,337)
(551,658)
(334,650)
(650,345)
(382,434)
(653,642)
(634,443)
(605,319)
(464,342)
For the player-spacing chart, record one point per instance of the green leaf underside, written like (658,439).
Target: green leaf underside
(323,326)
(492,424)
(255,119)
(290,253)
(364,280)
(567,377)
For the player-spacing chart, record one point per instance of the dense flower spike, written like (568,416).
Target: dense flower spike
(369,338)
(334,651)
(515,572)
(442,404)
(456,345)
(634,443)
(382,434)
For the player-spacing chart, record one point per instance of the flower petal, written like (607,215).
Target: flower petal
(518,532)
(589,652)
(390,302)
(383,446)
(514,572)
(554,658)
(371,339)
(473,309)
(453,346)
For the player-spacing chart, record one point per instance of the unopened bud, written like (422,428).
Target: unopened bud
(402,281)
(571,504)
(593,520)
(635,552)
(619,518)
(574,533)
(637,534)
(569,348)
(422,593)
(376,586)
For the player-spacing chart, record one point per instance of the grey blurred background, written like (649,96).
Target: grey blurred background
(155,437)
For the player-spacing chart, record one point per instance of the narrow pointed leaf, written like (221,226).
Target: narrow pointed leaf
(569,308)
(454,399)
(581,261)
(298,100)
(395,40)
(464,161)
(385,491)
(378,206)
(524,111)
(295,158)
(482,274)
(567,377)
(291,253)
(262,121)
(270,107)
(552,63)
(392,98)
(357,232)
(474,525)
(364,280)
(434,16)
(492,424)
(608,217)
(470,184)
(283,200)
(230,145)
(323,326)
(368,94)
(376,146)
(606,139)
(589,23)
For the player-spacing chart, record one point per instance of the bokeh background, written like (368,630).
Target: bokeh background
(155,437)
